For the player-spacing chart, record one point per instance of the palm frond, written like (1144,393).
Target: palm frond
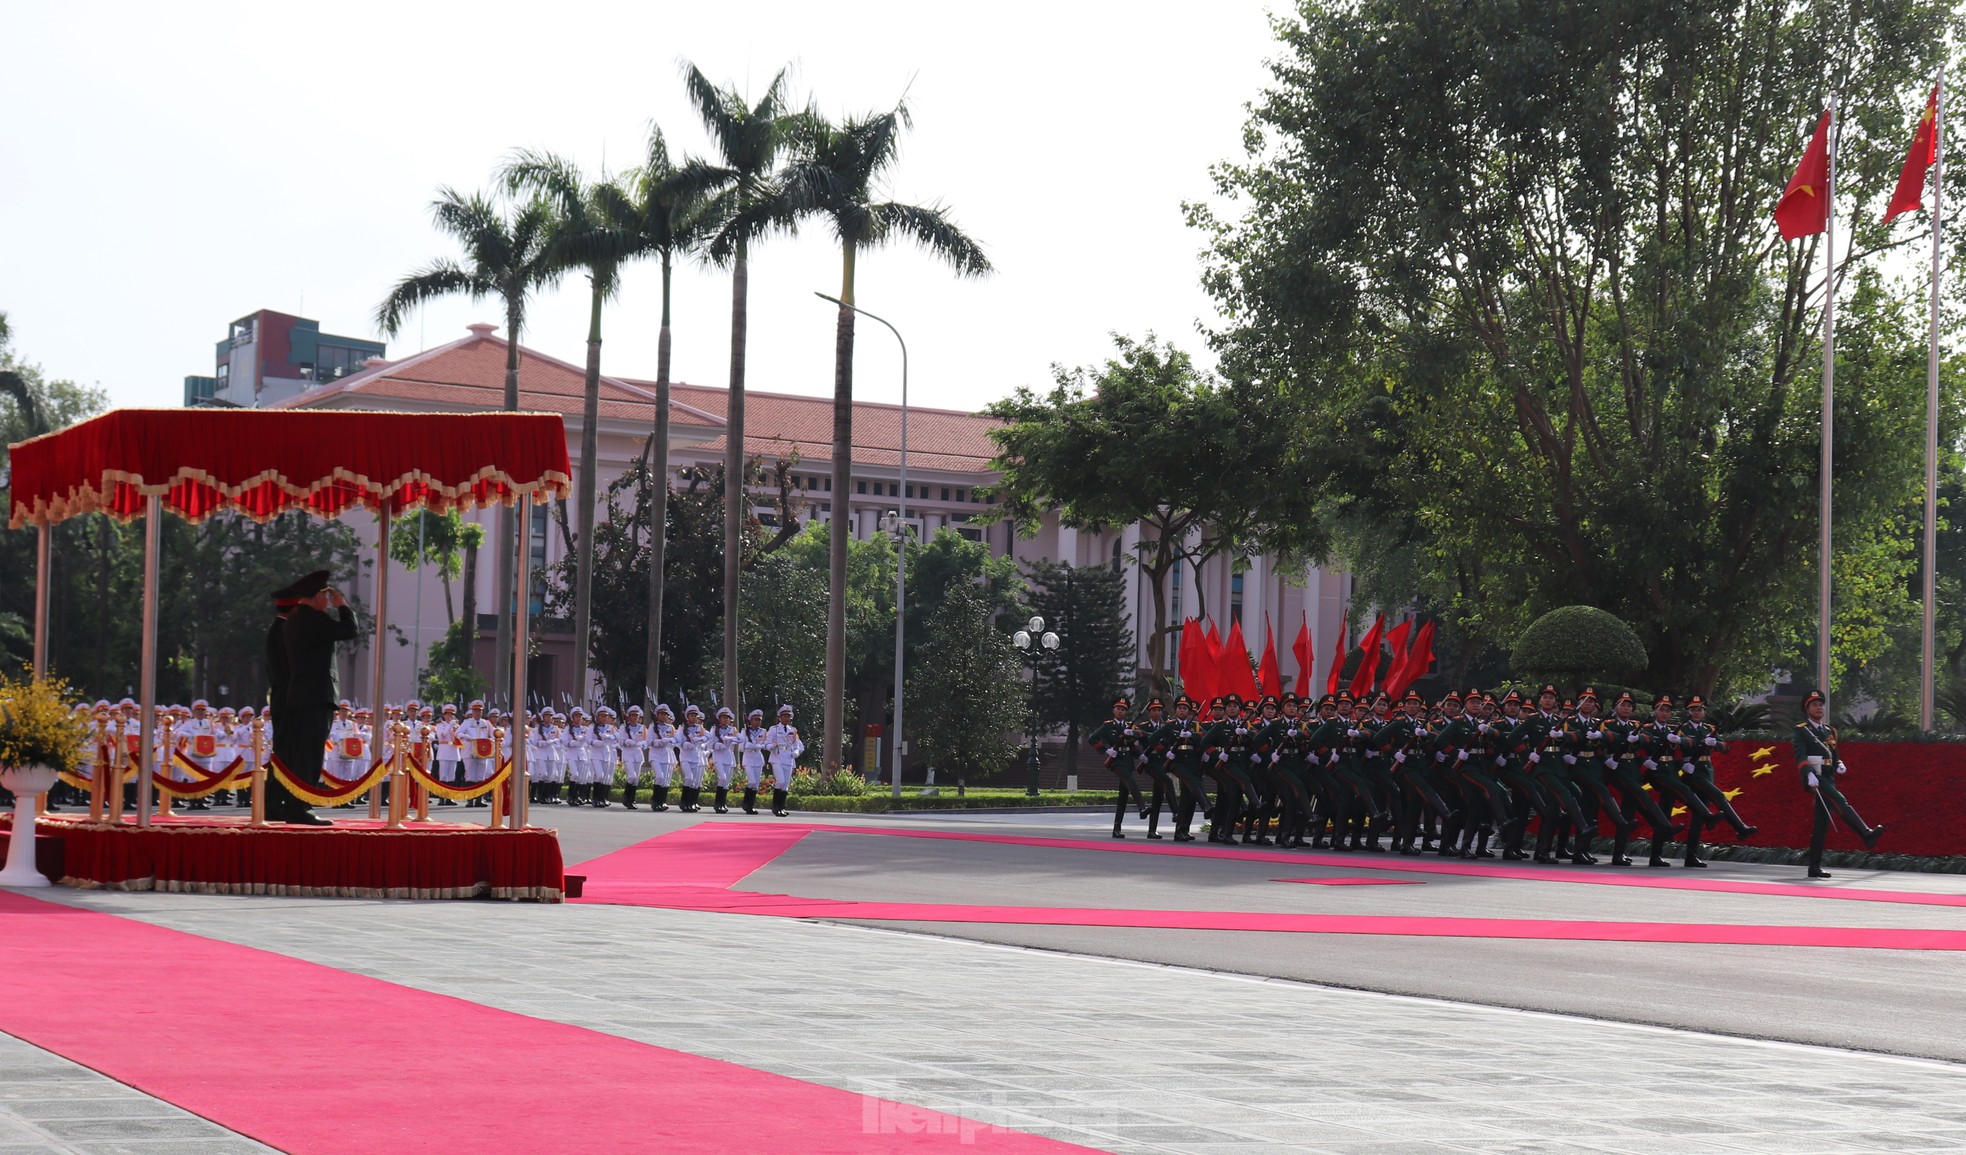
(442,278)
(932,229)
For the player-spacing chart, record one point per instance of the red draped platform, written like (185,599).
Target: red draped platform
(351,859)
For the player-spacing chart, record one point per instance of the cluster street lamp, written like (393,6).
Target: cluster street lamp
(1033,642)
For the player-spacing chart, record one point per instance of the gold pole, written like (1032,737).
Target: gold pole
(169,749)
(118,761)
(377,729)
(399,783)
(259,772)
(497,795)
(105,767)
(421,792)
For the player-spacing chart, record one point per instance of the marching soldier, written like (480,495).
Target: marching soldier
(1119,740)
(1619,750)
(663,742)
(1164,791)
(1404,742)
(1179,745)
(1820,766)
(1538,741)
(1662,759)
(785,750)
(1698,744)
(724,738)
(1465,747)
(634,754)
(1283,739)
(754,744)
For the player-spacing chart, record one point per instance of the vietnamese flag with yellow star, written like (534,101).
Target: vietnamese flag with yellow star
(1803,210)
(1910,193)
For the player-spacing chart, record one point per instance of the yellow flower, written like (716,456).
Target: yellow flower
(38,725)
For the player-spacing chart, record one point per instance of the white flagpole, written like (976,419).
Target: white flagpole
(1926,713)
(1829,422)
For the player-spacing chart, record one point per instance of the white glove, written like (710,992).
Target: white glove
(1275,758)
(1685,767)
(1712,741)
(1534,757)
(1400,757)
(1840,767)
(1438,758)
(1593,735)
(1632,738)
(1651,765)
(1673,738)
(1222,757)
(1460,757)
(1170,755)
(1611,763)
(1242,730)
(1569,759)
(1371,753)
(1351,733)
(1485,728)
(1811,780)
(1501,761)
(1140,761)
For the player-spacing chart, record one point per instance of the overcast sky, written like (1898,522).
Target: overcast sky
(166,168)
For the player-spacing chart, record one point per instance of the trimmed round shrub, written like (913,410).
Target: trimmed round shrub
(1576,644)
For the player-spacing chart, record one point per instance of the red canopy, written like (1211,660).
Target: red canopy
(263,463)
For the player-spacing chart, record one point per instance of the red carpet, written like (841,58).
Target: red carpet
(695,868)
(300,1071)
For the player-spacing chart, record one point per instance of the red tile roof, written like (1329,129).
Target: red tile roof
(469,374)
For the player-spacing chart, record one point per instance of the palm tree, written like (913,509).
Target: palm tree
(596,230)
(505,256)
(848,163)
(671,224)
(744,191)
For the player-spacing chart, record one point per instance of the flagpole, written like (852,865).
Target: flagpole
(1926,699)
(1829,421)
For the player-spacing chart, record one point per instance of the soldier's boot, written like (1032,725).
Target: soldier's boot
(750,801)
(600,796)
(778,803)
(1153,820)
(1620,842)
(723,800)
(690,794)
(1481,842)
(573,793)
(658,798)
(1119,815)
(628,794)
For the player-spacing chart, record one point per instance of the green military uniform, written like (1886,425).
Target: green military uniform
(1462,748)
(1178,745)
(1119,739)
(1698,742)
(1538,740)
(1662,760)
(1820,764)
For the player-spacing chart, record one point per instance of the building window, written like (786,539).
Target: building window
(863,486)
(829,485)
(825,507)
(945,493)
(959,495)
(911,491)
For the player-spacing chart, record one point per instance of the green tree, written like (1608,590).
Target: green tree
(671,222)
(1572,645)
(966,702)
(1148,438)
(1094,661)
(782,637)
(744,192)
(1528,310)
(850,165)
(447,674)
(439,540)
(507,257)
(597,228)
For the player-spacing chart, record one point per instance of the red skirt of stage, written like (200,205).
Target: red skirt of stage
(351,859)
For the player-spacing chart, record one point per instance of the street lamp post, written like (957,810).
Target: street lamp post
(1034,641)
(901,536)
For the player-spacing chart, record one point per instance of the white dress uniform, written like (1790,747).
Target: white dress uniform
(695,749)
(450,754)
(188,734)
(338,763)
(471,732)
(634,754)
(783,748)
(723,760)
(752,745)
(600,768)
(663,741)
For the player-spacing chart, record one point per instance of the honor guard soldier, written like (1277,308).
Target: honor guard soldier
(634,754)
(475,733)
(1619,763)
(1150,763)
(1119,740)
(1228,741)
(1538,741)
(693,744)
(1178,744)
(663,741)
(785,750)
(1821,765)
(1404,742)
(1699,742)
(1663,754)
(724,738)
(754,744)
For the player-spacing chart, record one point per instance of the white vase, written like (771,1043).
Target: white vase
(26,784)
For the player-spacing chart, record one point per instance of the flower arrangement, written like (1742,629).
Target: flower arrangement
(38,726)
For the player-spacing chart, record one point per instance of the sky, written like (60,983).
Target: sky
(167,168)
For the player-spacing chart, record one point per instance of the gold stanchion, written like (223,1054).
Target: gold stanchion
(399,780)
(167,763)
(119,760)
(497,795)
(421,793)
(105,769)
(259,772)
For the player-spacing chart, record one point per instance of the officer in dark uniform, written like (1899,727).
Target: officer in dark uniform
(1405,743)
(310,634)
(1698,744)
(1178,744)
(1538,740)
(1321,739)
(1119,740)
(1164,790)
(1662,758)
(1622,753)
(1820,765)
(1463,749)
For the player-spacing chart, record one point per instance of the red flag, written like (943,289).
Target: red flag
(1212,680)
(1803,210)
(1396,638)
(1301,648)
(1337,661)
(1269,679)
(1194,659)
(1419,660)
(1368,667)
(1236,678)
(1910,193)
